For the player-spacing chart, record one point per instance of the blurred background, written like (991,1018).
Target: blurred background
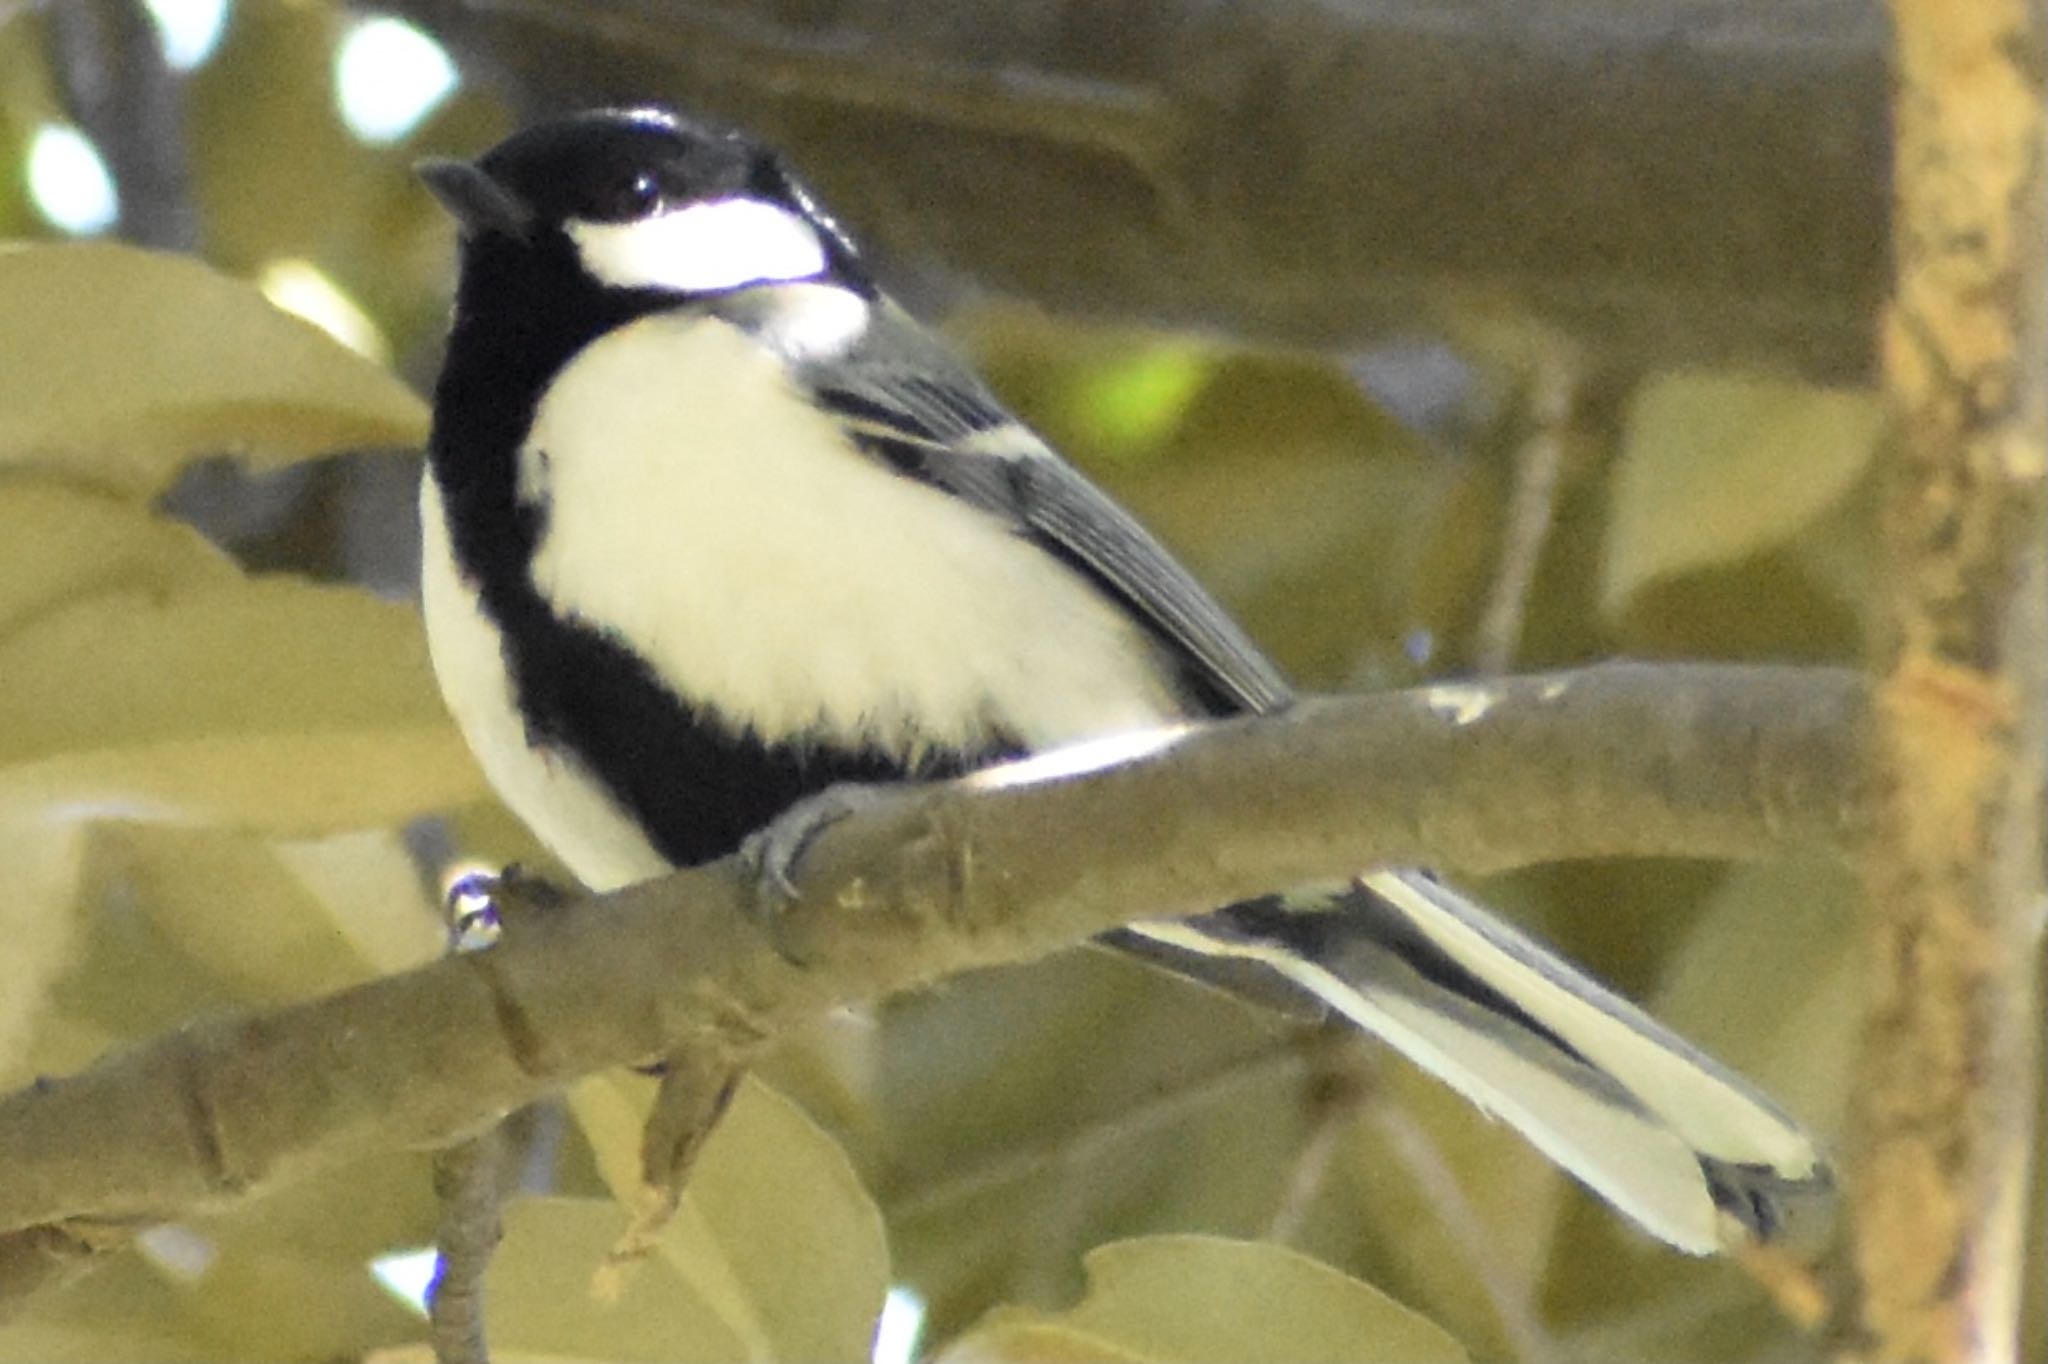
(1439,339)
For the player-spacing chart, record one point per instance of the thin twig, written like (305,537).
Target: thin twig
(1076,1147)
(696,1089)
(467,1181)
(1057,1221)
(1513,1303)
(1340,1088)
(1552,403)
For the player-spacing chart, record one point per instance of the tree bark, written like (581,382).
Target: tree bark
(1949,1069)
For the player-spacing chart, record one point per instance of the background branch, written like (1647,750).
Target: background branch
(1675,181)
(1616,760)
(1555,387)
(110,64)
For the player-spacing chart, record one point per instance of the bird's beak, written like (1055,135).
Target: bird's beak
(480,203)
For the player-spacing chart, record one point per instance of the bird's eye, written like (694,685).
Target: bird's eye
(635,196)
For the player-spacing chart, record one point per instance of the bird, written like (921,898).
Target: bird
(712,526)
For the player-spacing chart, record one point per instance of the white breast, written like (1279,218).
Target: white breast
(770,573)
(561,802)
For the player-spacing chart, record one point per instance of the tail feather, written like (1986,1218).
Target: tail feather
(1672,1139)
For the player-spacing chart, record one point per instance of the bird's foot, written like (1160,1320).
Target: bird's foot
(478,903)
(771,852)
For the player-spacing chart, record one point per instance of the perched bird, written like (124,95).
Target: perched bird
(711,524)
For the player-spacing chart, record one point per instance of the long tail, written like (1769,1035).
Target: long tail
(1678,1143)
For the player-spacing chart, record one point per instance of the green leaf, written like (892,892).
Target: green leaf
(290,1275)
(538,1298)
(38,922)
(1767,980)
(775,1236)
(121,1310)
(128,979)
(1131,403)
(1715,468)
(284,1278)
(124,365)
(60,544)
(368,885)
(295,785)
(272,704)
(1203,1298)
(1039,1342)
(244,906)
(274,170)
(1129,1099)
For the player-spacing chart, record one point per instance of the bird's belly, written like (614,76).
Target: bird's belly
(769,574)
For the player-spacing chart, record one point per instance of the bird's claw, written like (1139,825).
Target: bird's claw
(772,851)
(477,904)
(471,905)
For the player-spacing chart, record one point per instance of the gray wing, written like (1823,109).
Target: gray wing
(911,403)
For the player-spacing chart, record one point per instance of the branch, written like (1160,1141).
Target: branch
(1555,382)
(1669,181)
(469,1179)
(1700,761)
(1947,1077)
(110,64)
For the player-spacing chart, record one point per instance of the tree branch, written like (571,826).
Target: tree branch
(469,1180)
(1668,181)
(1949,1068)
(1616,760)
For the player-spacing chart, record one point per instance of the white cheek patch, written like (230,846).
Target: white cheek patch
(702,247)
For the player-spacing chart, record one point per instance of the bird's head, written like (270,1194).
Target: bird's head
(642,202)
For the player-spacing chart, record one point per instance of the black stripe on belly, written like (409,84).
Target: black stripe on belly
(695,786)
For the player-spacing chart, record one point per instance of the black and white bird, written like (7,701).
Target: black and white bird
(711,525)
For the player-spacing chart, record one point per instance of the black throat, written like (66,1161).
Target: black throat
(521,314)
